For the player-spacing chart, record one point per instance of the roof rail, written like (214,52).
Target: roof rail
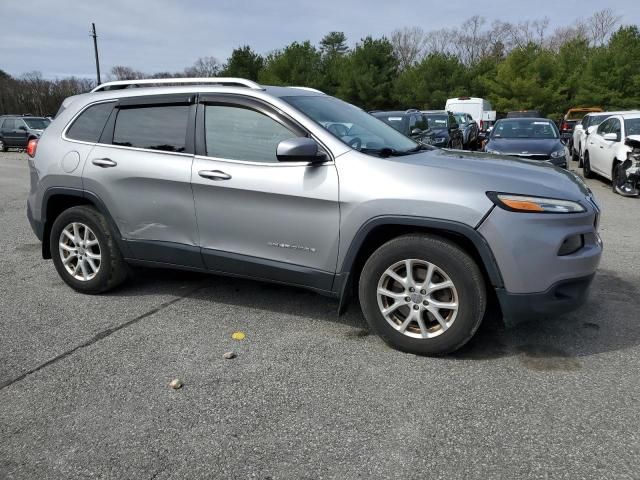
(150,82)
(309,89)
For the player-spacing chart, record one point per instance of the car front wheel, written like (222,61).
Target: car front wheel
(586,166)
(85,252)
(422,294)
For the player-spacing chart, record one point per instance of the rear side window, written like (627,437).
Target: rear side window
(241,134)
(155,128)
(9,124)
(88,126)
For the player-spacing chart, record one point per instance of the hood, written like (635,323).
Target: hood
(483,172)
(518,146)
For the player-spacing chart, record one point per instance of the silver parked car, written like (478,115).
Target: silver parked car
(293,186)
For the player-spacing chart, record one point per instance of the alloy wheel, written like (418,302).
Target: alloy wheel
(417,298)
(79,251)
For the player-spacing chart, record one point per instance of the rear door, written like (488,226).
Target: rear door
(141,171)
(258,216)
(8,132)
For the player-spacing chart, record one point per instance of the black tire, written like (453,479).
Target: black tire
(112,269)
(575,155)
(460,268)
(614,175)
(3,146)
(586,166)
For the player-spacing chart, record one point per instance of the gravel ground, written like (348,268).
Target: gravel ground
(83,379)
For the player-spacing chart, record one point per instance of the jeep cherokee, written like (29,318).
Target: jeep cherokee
(230,177)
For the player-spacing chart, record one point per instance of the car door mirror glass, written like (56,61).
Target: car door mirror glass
(299,149)
(23,128)
(416,131)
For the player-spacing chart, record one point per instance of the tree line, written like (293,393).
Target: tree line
(526,65)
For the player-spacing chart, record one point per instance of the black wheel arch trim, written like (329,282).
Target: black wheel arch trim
(471,234)
(91,198)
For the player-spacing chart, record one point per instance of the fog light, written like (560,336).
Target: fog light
(571,245)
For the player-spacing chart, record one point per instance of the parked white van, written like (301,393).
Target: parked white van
(479,109)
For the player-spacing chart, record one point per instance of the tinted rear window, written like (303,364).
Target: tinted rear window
(88,126)
(155,128)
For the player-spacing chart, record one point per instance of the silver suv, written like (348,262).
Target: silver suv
(293,186)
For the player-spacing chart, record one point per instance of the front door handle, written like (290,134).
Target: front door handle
(104,162)
(214,175)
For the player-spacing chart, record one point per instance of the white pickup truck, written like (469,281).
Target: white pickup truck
(479,109)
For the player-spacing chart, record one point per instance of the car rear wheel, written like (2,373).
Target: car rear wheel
(3,146)
(84,251)
(586,167)
(422,294)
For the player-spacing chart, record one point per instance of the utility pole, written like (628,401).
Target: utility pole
(95,48)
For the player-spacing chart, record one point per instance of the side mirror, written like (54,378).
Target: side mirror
(299,149)
(591,129)
(23,128)
(579,126)
(610,137)
(454,126)
(416,131)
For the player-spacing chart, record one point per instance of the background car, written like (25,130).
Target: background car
(606,148)
(571,118)
(584,128)
(17,130)
(446,129)
(480,110)
(470,130)
(530,138)
(411,123)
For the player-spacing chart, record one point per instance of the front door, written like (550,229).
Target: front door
(257,216)
(141,171)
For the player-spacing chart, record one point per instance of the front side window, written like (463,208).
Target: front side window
(90,123)
(238,133)
(161,128)
(615,127)
(358,129)
(605,127)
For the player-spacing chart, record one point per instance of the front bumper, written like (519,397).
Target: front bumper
(561,297)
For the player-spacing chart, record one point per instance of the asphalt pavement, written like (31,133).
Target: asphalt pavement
(84,379)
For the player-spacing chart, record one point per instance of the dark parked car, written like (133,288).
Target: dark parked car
(524,114)
(411,123)
(470,130)
(531,138)
(446,128)
(17,130)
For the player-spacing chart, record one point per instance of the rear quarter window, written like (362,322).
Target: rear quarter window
(154,128)
(90,123)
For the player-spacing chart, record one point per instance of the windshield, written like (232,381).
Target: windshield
(37,123)
(356,128)
(437,120)
(632,126)
(596,119)
(524,128)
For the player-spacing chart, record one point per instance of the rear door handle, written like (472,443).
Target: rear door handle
(214,175)
(104,162)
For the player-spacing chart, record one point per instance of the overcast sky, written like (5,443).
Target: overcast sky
(52,36)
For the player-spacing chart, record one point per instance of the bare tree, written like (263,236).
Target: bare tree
(601,25)
(408,45)
(120,72)
(204,67)
(440,41)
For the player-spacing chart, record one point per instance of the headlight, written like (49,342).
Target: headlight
(440,139)
(488,150)
(528,204)
(558,153)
